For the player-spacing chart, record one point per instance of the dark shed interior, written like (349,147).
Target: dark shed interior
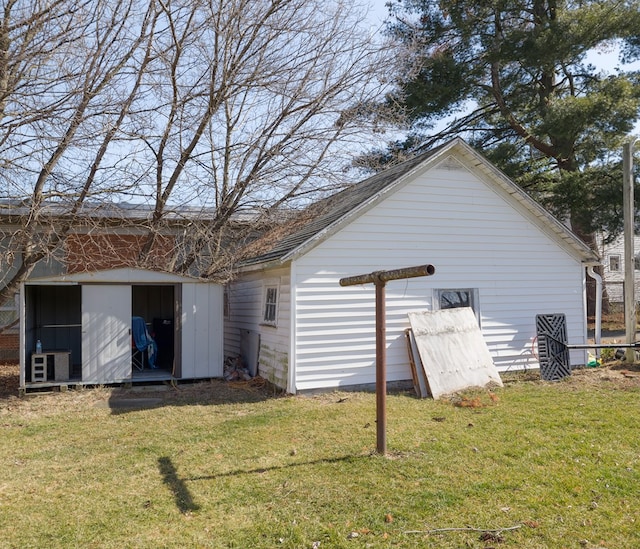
(53,315)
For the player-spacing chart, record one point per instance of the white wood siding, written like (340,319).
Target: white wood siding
(246,309)
(202,331)
(473,236)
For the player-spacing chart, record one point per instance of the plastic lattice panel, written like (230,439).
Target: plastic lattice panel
(553,354)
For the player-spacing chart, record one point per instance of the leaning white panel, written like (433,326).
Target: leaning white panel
(452,350)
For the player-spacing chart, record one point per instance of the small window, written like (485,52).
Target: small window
(270,304)
(454,298)
(637,262)
(614,263)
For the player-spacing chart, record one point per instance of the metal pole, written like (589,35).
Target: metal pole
(381,368)
(386,276)
(629,260)
(380,278)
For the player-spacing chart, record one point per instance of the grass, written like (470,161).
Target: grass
(544,465)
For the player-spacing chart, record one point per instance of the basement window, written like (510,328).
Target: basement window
(452,298)
(270,305)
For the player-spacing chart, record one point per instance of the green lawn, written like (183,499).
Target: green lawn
(211,465)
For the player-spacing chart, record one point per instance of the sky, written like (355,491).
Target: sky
(378,11)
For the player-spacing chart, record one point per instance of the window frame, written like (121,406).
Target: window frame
(612,258)
(474,301)
(270,307)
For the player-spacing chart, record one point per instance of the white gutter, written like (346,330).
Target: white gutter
(598,320)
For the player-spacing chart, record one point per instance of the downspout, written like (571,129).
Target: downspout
(291,361)
(598,319)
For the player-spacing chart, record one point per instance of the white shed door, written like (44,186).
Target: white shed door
(202,331)
(106,339)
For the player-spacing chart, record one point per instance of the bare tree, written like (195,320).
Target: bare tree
(62,64)
(196,110)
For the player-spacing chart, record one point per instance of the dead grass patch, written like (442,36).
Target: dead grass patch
(214,391)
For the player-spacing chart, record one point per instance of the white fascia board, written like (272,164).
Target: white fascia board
(552,226)
(402,180)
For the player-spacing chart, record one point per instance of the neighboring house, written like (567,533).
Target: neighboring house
(613,269)
(494,249)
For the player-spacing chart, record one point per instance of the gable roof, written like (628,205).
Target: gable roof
(331,214)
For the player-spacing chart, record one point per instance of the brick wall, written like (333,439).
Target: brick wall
(9,346)
(86,252)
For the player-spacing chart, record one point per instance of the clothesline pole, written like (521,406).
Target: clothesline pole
(379,279)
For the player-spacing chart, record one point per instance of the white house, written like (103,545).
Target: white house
(83,323)
(493,249)
(613,268)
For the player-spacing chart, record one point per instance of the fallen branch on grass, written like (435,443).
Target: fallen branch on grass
(467,529)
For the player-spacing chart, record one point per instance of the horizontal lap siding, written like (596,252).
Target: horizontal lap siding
(473,237)
(246,302)
(339,348)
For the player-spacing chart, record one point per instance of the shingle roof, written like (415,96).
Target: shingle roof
(329,212)
(335,207)
(103,210)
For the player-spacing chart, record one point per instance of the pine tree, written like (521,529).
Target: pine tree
(539,110)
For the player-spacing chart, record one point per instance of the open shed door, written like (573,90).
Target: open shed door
(202,331)
(106,338)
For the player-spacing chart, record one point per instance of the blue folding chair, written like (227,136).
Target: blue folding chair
(142,342)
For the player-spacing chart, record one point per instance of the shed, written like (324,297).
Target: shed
(83,323)
(494,249)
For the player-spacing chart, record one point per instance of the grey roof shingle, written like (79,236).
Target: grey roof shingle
(330,211)
(335,207)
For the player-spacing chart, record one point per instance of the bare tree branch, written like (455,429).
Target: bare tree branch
(194,111)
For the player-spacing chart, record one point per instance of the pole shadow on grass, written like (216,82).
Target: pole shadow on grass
(260,470)
(184,499)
